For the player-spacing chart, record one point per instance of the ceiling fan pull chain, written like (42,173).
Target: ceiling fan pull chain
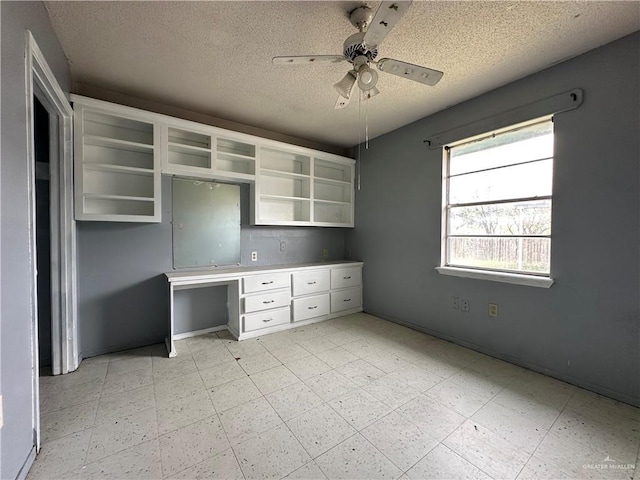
(366,125)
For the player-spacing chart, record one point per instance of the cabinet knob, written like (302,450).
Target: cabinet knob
(311,308)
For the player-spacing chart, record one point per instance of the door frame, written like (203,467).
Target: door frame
(41,82)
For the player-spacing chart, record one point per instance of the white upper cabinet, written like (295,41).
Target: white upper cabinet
(199,152)
(298,186)
(117,171)
(120,153)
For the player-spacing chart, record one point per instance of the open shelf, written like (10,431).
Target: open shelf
(281,185)
(228,162)
(234,147)
(332,171)
(338,192)
(332,212)
(105,167)
(189,139)
(283,161)
(100,124)
(118,206)
(118,183)
(98,151)
(281,209)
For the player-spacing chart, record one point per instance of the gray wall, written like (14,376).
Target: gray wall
(584,329)
(123,292)
(16,437)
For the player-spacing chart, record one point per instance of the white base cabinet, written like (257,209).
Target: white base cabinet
(265,300)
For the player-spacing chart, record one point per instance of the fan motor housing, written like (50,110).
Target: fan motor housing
(354,47)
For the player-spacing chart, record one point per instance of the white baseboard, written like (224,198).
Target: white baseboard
(180,336)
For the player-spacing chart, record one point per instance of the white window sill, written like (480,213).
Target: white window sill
(514,278)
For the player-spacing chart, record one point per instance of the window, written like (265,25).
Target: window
(497,202)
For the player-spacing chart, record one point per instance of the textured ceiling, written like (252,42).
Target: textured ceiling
(215,57)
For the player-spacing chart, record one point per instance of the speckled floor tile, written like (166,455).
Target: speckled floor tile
(486,450)
(112,437)
(212,358)
(232,394)
(310,471)
(330,385)
(391,390)
(293,400)
(54,399)
(274,379)
(139,462)
(443,463)
(336,357)
(359,408)
(317,345)
(356,458)
(50,463)
(257,363)
(272,454)
(249,420)
(399,440)
(307,367)
(288,352)
(68,420)
(222,466)
(360,372)
(184,411)
(320,429)
(212,377)
(192,444)
(170,389)
(431,417)
(119,405)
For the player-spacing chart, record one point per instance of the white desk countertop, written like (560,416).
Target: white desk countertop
(236,272)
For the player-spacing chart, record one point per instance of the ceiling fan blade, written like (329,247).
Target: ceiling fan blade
(425,75)
(385,18)
(341,103)
(297,60)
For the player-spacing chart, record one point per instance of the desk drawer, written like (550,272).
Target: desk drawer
(305,283)
(346,299)
(266,301)
(256,321)
(346,277)
(270,281)
(310,307)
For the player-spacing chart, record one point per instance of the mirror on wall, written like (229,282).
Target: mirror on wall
(206,223)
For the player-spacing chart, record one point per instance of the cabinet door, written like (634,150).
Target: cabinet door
(346,299)
(117,174)
(310,307)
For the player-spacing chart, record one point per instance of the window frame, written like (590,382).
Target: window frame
(534,279)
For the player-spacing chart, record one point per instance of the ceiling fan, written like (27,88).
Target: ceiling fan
(361,50)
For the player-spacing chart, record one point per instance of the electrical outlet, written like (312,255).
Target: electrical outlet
(493,309)
(465,305)
(283,246)
(325,253)
(254,256)
(455,303)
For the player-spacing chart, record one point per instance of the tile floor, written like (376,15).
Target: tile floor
(355,397)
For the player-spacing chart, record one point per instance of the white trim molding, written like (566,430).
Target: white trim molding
(504,277)
(41,83)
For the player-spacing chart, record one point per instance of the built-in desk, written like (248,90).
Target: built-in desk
(263,300)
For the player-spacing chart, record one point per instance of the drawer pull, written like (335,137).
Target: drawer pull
(346,300)
(267,283)
(267,320)
(311,308)
(268,301)
(311,283)
(347,278)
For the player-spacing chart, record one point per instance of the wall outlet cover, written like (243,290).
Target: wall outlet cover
(465,305)
(254,256)
(455,303)
(493,309)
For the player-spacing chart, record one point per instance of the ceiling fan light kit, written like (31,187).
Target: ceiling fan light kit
(361,49)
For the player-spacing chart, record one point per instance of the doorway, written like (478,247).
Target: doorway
(42,141)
